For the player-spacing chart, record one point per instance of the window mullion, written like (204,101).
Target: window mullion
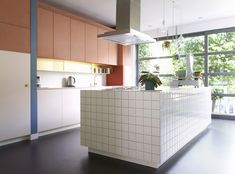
(206,69)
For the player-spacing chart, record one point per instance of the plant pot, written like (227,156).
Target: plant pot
(197,73)
(149,85)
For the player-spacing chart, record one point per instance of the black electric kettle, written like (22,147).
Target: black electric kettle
(71,81)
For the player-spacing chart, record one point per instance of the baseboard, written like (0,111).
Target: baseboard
(34,136)
(15,140)
(37,135)
(223,117)
(40,134)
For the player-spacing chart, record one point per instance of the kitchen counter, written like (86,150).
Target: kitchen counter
(81,88)
(144,127)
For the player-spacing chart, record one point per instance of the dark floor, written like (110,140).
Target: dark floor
(213,153)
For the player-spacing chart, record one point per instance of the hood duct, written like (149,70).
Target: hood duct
(128,25)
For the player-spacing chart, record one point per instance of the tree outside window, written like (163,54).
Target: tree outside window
(221,61)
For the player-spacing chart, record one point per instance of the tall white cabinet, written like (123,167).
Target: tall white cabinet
(14,95)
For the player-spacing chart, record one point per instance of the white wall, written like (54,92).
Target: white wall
(58,79)
(197,27)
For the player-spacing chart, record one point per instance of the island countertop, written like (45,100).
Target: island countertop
(144,127)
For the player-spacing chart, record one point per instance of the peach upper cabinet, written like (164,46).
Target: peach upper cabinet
(45,33)
(113,54)
(91,43)
(15,25)
(61,36)
(103,48)
(77,40)
(15,12)
(107,51)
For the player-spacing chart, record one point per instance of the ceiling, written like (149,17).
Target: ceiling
(186,11)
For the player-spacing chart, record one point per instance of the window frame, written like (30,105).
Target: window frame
(205,53)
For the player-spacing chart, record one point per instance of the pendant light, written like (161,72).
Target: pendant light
(164,28)
(178,39)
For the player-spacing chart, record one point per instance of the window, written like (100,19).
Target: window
(219,63)
(223,83)
(193,45)
(224,41)
(221,67)
(224,105)
(216,61)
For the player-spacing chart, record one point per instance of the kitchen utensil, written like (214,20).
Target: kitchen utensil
(71,81)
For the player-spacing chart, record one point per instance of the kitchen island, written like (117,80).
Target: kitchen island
(144,127)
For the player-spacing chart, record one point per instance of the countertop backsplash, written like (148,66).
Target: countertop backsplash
(58,79)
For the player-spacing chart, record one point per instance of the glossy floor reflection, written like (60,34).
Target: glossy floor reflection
(213,153)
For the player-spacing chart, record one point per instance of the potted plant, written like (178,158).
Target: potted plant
(197,74)
(166,44)
(215,97)
(150,80)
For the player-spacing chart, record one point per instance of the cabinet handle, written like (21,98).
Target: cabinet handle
(26,85)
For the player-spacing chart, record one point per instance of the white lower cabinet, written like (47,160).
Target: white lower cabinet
(71,107)
(49,109)
(14,95)
(58,108)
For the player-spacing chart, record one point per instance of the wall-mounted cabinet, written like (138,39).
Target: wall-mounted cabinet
(50,65)
(77,40)
(13,38)
(61,37)
(64,36)
(15,25)
(45,33)
(113,54)
(15,12)
(91,43)
(103,48)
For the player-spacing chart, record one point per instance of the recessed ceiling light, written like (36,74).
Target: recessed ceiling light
(150,26)
(200,18)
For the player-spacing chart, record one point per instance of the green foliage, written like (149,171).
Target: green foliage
(217,62)
(214,96)
(222,41)
(150,77)
(224,62)
(144,51)
(188,46)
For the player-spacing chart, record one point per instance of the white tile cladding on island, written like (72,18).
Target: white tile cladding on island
(144,127)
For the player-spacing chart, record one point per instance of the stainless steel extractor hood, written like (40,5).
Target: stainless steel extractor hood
(128,25)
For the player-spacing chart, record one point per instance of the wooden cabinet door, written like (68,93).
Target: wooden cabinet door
(13,38)
(91,43)
(15,95)
(103,49)
(61,37)
(15,12)
(127,60)
(77,40)
(113,53)
(45,33)
(71,107)
(49,109)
